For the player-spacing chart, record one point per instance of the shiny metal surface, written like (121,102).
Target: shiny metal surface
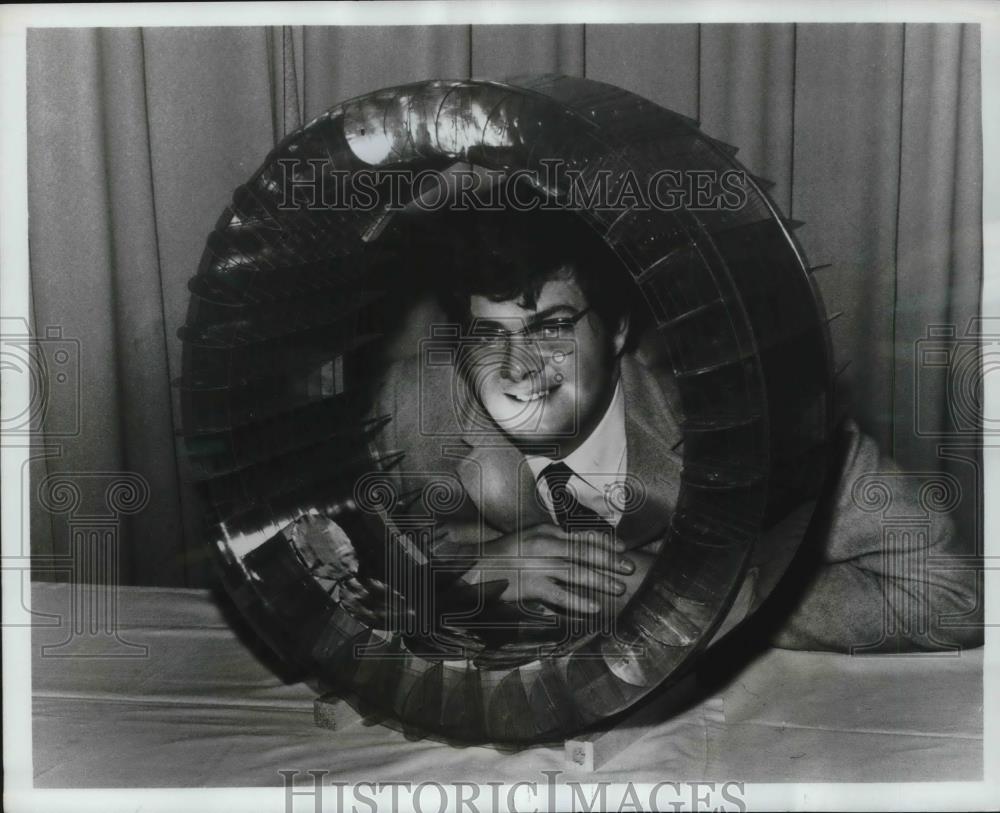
(281,344)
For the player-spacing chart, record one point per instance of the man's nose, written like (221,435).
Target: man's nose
(521,360)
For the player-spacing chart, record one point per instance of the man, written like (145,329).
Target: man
(561,431)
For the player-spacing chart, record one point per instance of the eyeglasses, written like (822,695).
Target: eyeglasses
(543,331)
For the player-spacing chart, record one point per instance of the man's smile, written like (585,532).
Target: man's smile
(556,385)
(532,392)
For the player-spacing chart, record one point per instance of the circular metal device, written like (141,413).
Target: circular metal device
(284,346)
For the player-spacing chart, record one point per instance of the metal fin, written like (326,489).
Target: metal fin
(390,459)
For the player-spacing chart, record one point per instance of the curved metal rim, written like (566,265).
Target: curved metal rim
(571,672)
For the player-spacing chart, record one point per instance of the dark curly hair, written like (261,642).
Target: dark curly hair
(509,254)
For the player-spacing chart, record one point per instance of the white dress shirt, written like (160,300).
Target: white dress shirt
(599,465)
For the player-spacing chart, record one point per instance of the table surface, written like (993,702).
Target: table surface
(179,699)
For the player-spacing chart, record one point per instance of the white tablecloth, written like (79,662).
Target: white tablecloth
(188,704)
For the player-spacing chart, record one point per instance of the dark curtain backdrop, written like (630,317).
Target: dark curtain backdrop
(137,138)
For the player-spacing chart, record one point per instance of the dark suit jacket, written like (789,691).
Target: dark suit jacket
(865,578)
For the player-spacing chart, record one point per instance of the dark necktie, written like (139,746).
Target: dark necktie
(570,514)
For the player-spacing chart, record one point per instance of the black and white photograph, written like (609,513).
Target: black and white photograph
(498,407)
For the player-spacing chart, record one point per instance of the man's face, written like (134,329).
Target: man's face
(553,385)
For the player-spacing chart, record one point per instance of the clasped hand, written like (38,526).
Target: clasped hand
(573,573)
(579,572)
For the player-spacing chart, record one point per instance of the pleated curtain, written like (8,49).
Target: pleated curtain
(137,138)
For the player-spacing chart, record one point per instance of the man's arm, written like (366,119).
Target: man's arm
(870,577)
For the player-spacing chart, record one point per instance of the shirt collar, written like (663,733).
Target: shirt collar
(603,449)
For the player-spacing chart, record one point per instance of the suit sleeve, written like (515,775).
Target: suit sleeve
(423,463)
(882,569)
